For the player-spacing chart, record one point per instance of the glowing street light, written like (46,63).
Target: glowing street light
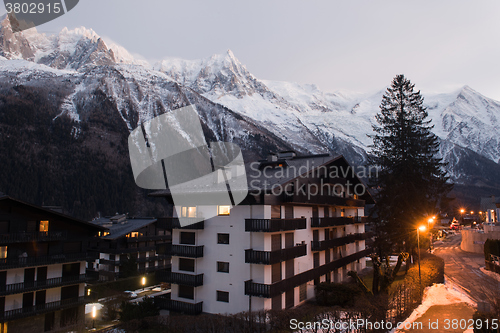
(429,223)
(94,314)
(419,229)
(143,282)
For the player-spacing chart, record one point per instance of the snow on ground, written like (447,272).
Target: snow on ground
(439,294)
(490,273)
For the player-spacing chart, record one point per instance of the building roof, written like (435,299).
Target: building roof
(263,174)
(50,212)
(119,225)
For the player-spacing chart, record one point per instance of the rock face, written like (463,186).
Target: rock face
(100,92)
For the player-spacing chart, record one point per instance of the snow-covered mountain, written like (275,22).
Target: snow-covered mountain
(235,105)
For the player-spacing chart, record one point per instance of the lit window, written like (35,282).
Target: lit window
(44,226)
(105,233)
(3,252)
(134,234)
(223,210)
(188,211)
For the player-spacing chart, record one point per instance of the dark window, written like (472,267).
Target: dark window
(186,292)
(222,296)
(111,257)
(187,238)
(275,212)
(222,238)
(49,321)
(31,226)
(289,298)
(222,267)
(186,264)
(71,270)
(4,227)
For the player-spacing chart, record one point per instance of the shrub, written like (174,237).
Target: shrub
(340,294)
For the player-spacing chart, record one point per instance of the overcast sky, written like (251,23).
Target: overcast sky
(338,45)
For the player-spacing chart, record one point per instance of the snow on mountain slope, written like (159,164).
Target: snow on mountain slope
(299,115)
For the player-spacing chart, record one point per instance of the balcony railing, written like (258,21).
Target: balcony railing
(22,237)
(322,199)
(44,284)
(180,278)
(178,306)
(273,225)
(320,222)
(271,290)
(273,257)
(42,308)
(41,261)
(149,238)
(331,243)
(190,251)
(173,223)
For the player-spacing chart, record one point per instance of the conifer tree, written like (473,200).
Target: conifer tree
(411,182)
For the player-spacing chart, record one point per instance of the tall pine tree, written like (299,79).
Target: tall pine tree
(411,182)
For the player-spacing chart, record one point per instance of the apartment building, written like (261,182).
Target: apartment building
(42,268)
(128,246)
(301,223)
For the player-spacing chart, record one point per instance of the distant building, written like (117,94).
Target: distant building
(128,245)
(42,268)
(491,208)
(269,251)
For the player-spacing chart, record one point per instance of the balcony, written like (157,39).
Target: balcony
(41,261)
(190,251)
(173,223)
(273,257)
(275,289)
(332,243)
(45,284)
(324,199)
(180,278)
(23,237)
(41,309)
(149,238)
(321,222)
(178,306)
(274,225)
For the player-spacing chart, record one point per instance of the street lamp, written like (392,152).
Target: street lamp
(420,228)
(143,282)
(94,313)
(462,211)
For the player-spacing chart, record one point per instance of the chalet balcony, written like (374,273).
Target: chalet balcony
(277,288)
(149,238)
(42,308)
(41,261)
(273,257)
(180,278)
(173,223)
(274,225)
(334,242)
(44,284)
(178,306)
(190,251)
(321,222)
(324,199)
(23,237)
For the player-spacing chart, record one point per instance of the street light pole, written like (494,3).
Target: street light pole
(421,228)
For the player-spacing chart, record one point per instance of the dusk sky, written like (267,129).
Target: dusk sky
(338,45)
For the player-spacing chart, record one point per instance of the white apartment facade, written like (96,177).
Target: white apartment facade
(269,251)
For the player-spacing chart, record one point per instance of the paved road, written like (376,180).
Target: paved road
(462,268)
